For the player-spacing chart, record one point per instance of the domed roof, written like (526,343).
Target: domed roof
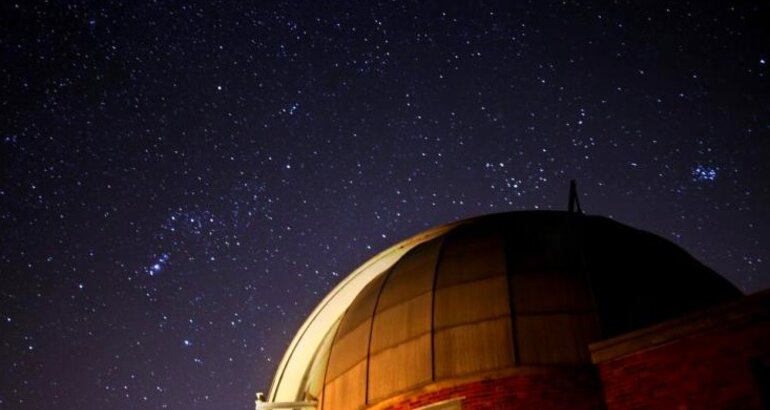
(520,289)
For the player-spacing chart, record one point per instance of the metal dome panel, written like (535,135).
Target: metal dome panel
(528,289)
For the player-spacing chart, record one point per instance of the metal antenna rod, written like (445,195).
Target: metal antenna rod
(574,201)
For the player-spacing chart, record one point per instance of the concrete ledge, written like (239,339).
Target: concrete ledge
(751,308)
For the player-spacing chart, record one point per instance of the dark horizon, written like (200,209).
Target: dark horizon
(182,183)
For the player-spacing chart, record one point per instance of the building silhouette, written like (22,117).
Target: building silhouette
(530,310)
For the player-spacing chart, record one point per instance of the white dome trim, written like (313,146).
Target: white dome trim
(299,354)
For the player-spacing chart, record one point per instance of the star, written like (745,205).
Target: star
(197,177)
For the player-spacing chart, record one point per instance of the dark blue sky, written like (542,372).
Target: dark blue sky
(181,182)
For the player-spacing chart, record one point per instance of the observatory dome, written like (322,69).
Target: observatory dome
(465,301)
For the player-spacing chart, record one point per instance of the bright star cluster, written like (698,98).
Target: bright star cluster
(158,265)
(182,182)
(704,173)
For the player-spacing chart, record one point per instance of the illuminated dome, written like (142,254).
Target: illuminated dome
(469,300)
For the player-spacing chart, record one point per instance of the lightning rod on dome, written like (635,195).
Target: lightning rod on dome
(574,201)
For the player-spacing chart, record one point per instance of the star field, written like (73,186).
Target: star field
(182,182)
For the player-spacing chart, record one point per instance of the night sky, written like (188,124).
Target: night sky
(182,182)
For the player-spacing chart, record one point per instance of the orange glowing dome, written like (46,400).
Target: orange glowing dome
(468,300)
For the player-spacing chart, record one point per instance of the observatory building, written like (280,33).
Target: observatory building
(530,310)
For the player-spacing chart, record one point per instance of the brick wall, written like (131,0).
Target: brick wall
(711,370)
(706,360)
(578,390)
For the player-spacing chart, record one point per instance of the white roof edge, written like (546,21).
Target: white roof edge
(299,354)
